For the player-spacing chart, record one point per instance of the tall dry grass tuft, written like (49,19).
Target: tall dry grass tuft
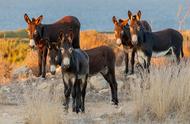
(31,61)
(91,38)
(41,109)
(164,93)
(5,71)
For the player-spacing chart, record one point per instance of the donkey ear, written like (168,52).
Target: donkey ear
(61,36)
(70,36)
(120,21)
(27,19)
(139,15)
(130,14)
(39,20)
(124,22)
(114,20)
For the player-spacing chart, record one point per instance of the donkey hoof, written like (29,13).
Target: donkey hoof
(82,109)
(77,110)
(74,109)
(131,73)
(42,78)
(126,71)
(114,103)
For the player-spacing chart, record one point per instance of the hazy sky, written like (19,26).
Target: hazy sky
(93,14)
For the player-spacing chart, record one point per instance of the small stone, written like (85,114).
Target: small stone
(5,115)
(98,83)
(21,72)
(104,91)
(98,119)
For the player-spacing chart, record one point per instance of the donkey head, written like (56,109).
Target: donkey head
(65,40)
(54,54)
(33,29)
(119,29)
(134,26)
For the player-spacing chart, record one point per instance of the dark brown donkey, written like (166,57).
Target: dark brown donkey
(101,60)
(44,35)
(123,36)
(134,20)
(155,44)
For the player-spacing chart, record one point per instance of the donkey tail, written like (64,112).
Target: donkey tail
(182,54)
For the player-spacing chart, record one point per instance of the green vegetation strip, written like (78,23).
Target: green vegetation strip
(14,34)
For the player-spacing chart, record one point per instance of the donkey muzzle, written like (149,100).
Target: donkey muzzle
(53,69)
(32,43)
(134,40)
(118,41)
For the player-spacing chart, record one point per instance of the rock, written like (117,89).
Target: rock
(98,83)
(5,115)
(21,72)
(98,119)
(104,91)
(5,89)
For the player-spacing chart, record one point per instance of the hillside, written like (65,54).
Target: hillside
(163,96)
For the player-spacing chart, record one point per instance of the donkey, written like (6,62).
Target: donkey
(155,44)
(101,60)
(123,36)
(43,35)
(75,70)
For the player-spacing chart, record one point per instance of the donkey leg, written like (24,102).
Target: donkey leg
(44,58)
(148,63)
(39,63)
(84,85)
(177,55)
(67,92)
(132,61)
(110,78)
(78,95)
(74,97)
(126,62)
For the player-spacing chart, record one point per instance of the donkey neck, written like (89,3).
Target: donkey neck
(126,39)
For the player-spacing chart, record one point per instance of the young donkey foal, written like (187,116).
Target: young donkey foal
(75,69)
(155,44)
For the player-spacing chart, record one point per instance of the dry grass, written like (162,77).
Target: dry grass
(31,61)
(5,71)
(40,109)
(164,93)
(16,51)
